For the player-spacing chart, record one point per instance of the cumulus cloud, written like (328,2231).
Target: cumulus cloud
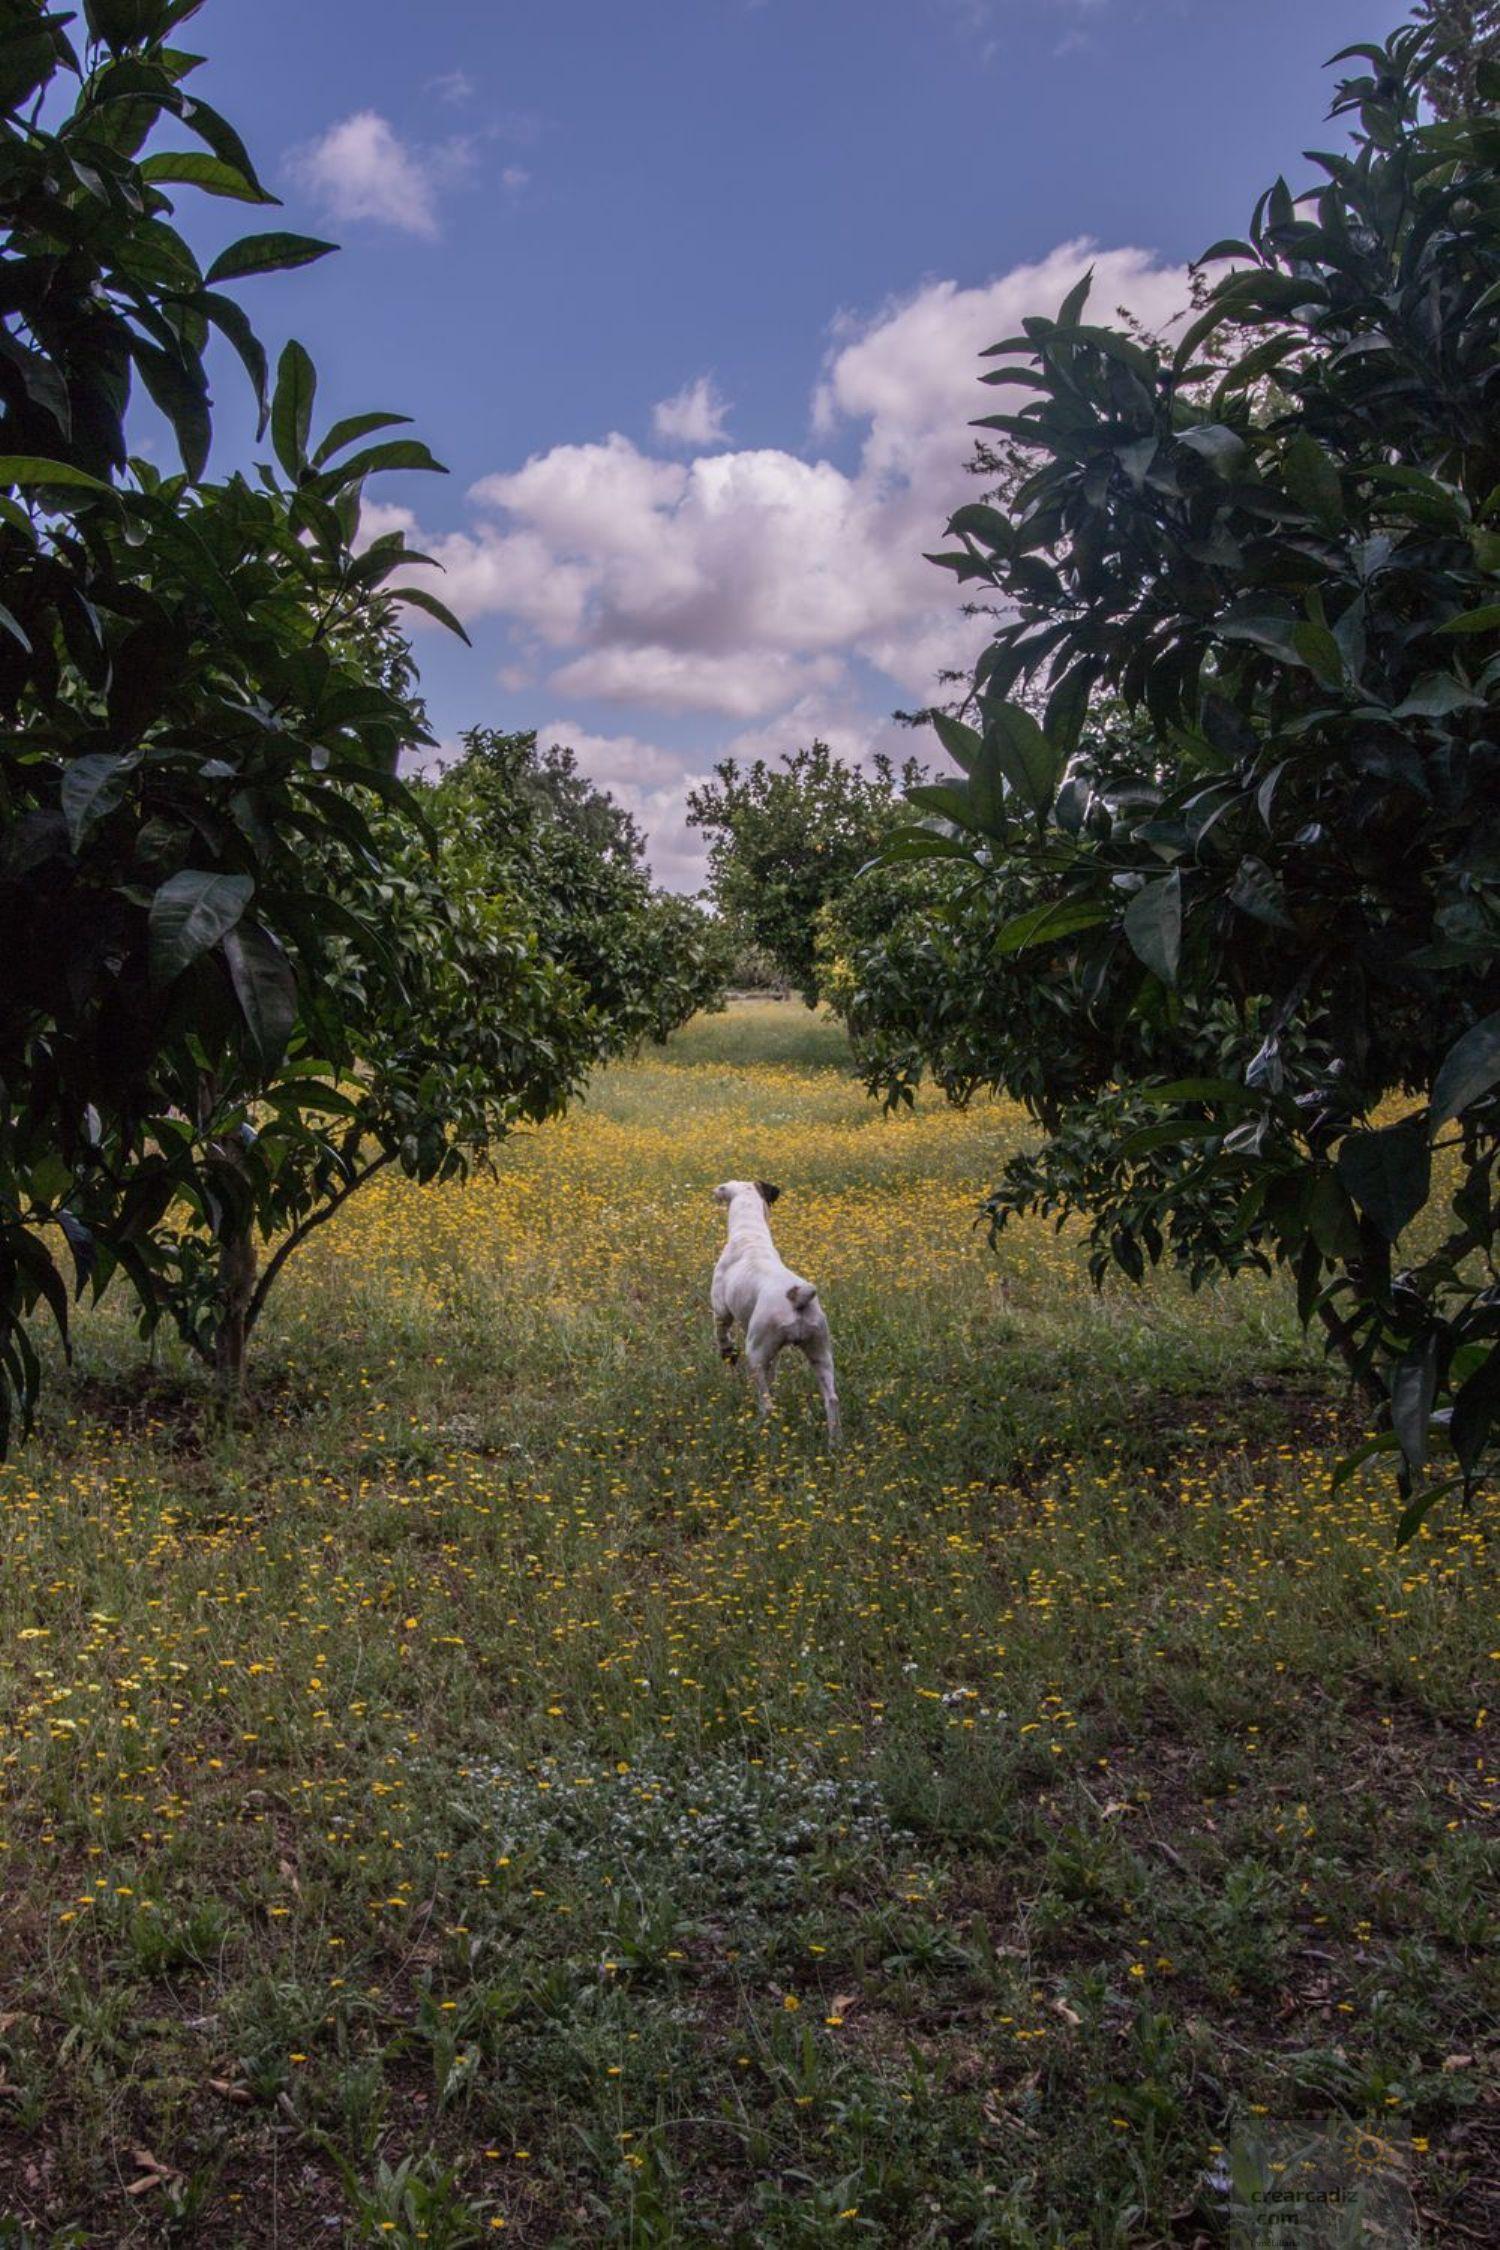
(694,416)
(737,582)
(361,168)
(782,591)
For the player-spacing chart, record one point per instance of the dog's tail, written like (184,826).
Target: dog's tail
(802,1294)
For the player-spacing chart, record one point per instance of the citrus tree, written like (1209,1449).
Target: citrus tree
(197,740)
(642,960)
(784,839)
(520,945)
(1260,918)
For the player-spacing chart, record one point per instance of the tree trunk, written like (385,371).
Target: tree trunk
(238,1265)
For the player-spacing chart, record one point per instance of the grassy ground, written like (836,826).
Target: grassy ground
(497,1791)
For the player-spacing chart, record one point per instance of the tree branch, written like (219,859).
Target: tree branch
(299,1235)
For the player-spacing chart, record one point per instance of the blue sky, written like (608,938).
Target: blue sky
(688,296)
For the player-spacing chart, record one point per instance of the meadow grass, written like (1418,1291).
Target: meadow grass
(495,1790)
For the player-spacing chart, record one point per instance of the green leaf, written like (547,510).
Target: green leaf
(1475,1407)
(178,387)
(1202,1090)
(962,743)
(233,323)
(266,253)
(1416,1515)
(978,520)
(399,453)
(35,1263)
(1371,1450)
(266,989)
(219,134)
(1067,709)
(1435,695)
(1267,629)
(120,24)
(352,427)
(1153,926)
(1072,305)
(1320,652)
(1313,481)
(28,469)
(1483,620)
(1388,1173)
(1041,924)
(1256,892)
(291,408)
(1469,1069)
(1413,1389)
(85,1249)
(1330,1217)
(1030,763)
(92,786)
(189,915)
(192,168)
(419,598)
(1170,1134)
(950,800)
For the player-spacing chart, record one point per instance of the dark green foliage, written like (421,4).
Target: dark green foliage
(521,945)
(1268,902)
(203,698)
(785,840)
(640,960)
(1469,32)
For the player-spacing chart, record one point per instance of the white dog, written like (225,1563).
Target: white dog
(773,1305)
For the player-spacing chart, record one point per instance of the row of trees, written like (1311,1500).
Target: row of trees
(247,965)
(1215,891)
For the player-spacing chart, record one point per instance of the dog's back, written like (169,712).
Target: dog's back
(775,1306)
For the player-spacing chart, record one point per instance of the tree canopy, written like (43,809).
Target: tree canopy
(784,839)
(1254,891)
(197,739)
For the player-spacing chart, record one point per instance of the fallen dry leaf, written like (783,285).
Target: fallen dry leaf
(154,2173)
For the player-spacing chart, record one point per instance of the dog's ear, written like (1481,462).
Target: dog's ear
(768,1193)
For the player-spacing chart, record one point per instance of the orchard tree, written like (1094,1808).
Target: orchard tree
(197,749)
(520,946)
(642,960)
(1267,909)
(784,839)
(1466,35)
(452,1032)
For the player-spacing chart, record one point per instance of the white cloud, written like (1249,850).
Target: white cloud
(361,168)
(452,86)
(730,685)
(514,178)
(694,416)
(735,582)
(764,586)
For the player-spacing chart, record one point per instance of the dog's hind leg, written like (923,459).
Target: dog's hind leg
(820,1359)
(729,1350)
(762,1367)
